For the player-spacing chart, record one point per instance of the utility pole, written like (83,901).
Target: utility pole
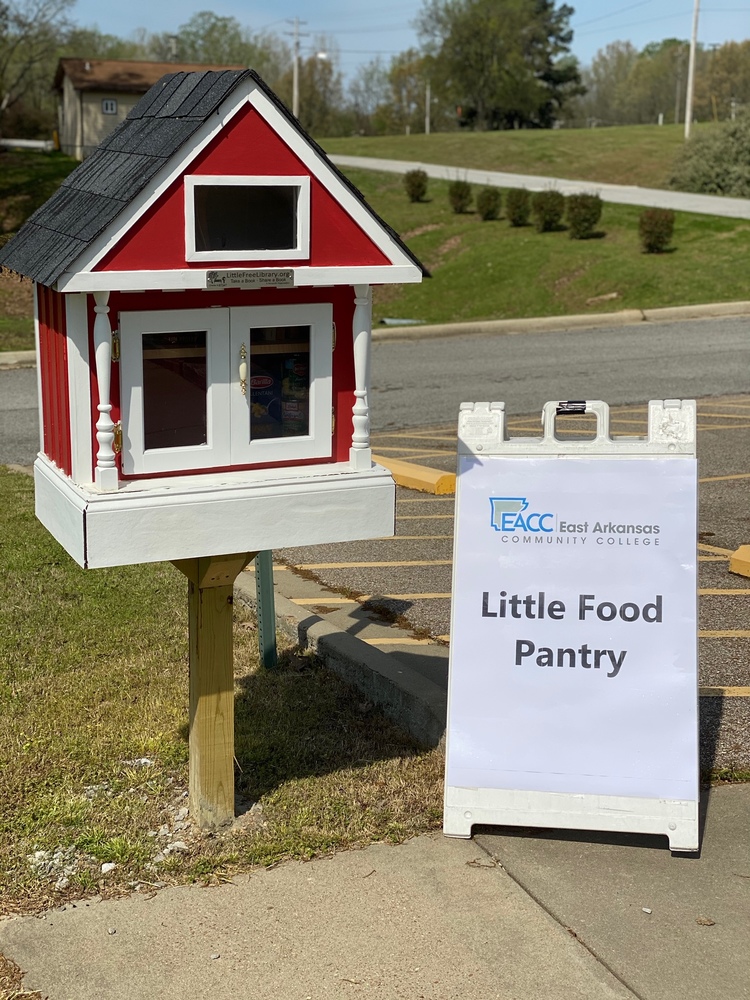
(296,35)
(691,71)
(427,100)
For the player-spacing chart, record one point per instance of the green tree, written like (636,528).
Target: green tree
(606,83)
(504,63)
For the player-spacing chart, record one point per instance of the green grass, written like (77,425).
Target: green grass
(27,179)
(632,154)
(93,678)
(489,270)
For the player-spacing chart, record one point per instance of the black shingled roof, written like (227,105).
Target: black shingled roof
(97,191)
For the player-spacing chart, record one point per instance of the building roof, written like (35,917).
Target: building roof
(122,166)
(134,76)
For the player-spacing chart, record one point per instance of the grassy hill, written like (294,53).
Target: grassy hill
(488,270)
(634,154)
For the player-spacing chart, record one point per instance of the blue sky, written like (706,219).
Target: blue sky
(363,32)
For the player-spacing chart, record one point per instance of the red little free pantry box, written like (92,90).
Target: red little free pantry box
(203,314)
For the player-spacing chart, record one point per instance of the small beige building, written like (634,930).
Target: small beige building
(95,95)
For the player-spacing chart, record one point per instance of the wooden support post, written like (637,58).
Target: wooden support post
(210,597)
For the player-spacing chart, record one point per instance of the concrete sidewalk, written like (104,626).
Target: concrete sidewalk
(619,194)
(513,914)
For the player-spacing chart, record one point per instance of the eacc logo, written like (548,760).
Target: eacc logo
(509,514)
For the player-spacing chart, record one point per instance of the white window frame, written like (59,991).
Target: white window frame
(319,441)
(109,105)
(301,251)
(136,459)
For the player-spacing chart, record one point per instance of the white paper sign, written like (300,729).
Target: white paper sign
(573,637)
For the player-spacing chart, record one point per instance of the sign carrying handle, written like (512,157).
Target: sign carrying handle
(556,408)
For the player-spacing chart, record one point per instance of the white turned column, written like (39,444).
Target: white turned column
(105,474)
(360,455)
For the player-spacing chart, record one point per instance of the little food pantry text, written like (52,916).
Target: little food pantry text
(539,607)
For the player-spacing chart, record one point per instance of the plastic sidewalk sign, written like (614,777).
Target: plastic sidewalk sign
(573,692)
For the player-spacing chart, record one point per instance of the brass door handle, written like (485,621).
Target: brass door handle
(243,370)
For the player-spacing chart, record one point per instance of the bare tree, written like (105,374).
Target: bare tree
(30,33)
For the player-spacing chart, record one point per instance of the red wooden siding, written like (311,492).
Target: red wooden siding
(249,146)
(53,364)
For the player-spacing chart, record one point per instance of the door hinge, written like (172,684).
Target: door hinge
(115,345)
(117,441)
(333,337)
(333,421)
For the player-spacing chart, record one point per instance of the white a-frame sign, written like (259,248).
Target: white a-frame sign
(573,667)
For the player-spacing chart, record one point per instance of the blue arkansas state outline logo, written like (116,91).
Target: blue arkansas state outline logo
(507,515)
(506,505)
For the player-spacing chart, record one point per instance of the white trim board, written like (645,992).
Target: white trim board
(189,278)
(119,529)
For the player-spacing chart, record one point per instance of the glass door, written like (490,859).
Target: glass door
(281,393)
(174,372)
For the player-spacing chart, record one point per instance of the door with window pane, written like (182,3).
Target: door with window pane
(281,395)
(174,390)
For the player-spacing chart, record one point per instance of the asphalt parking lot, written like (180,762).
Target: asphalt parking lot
(395,592)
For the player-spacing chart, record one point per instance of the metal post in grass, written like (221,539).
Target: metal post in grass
(266,609)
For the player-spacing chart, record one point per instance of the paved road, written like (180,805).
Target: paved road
(417,383)
(620,194)
(19,417)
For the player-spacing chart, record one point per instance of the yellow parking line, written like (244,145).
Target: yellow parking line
(721,479)
(413,437)
(712,558)
(407,453)
(409,456)
(713,548)
(722,427)
(717,591)
(724,633)
(724,692)
(374,565)
(727,416)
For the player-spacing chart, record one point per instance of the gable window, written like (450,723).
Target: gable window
(247,218)
(109,106)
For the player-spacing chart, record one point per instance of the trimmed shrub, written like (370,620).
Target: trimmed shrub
(488,204)
(518,206)
(716,162)
(583,212)
(548,208)
(415,182)
(655,228)
(459,195)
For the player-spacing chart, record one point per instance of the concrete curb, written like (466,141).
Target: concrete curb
(414,703)
(17,359)
(418,477)
(544,324)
